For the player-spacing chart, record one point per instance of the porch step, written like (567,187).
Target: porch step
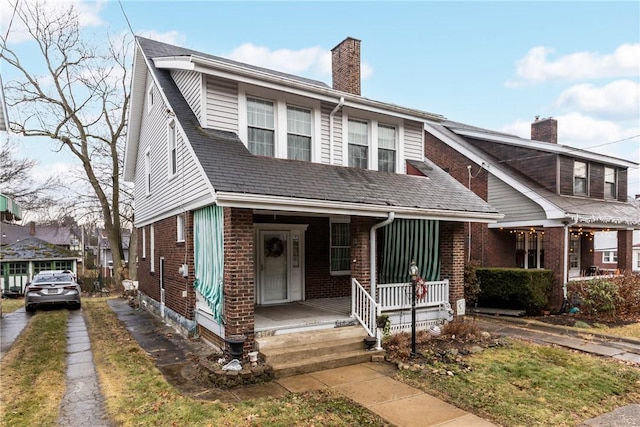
(299,353)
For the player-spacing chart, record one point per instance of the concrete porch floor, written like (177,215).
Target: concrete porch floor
(303,315)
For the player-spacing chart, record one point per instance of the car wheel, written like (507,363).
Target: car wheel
(29,308)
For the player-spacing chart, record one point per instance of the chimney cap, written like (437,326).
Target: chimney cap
(346,39)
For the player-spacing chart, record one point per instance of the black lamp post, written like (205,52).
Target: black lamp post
(413,273)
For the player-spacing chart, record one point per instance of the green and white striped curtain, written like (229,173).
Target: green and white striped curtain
(406,240)
(208,240)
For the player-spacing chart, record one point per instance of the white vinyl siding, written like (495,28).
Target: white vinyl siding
(190,85)
(325,150)
(188,187)
(510,202)
(222,104)
(147,172)
(412,145)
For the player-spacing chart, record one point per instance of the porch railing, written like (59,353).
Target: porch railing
(364,308)
(396,296)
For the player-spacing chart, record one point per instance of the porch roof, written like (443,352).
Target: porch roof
(33,249)
(242,179)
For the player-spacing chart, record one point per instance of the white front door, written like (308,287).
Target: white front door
(574,256)
(279,255)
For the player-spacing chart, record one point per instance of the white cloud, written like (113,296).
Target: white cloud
(619,99)
(170,37)
(88,13)
(537,67)
(312,60)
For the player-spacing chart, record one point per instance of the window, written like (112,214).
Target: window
(298,133)
(580,178)
(610,190)
(358,138)
(152,268)
(340,248)
(180,232)
(147,172)
(530,249)
(173,152)
(150,99)
(17,268)
(38,266)
(386,148)
(63,265)
(260,118)
(144,243)
(610,256)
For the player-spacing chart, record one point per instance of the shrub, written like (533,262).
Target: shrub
(515,288)
(471,282)
(616,296)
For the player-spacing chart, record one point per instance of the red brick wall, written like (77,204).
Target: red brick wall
(345,64)
(452,258)
(360,244)
(545,130)
(625,250)
(239,298)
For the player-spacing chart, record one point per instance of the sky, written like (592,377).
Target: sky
(494,65)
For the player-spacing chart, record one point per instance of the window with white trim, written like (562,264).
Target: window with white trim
(610,187)
(340,248)
(152,238)
(386,148)
(580,173)
(530,249)
(173,150)
(261,123)
(358,139)
(610,257)
(150,99)
(147,171)
(144,242)
(181,228)
(298,133)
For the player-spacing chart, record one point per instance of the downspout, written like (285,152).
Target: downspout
(565,273)
(372,264)
(335,110)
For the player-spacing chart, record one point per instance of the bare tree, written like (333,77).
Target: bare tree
(81,102)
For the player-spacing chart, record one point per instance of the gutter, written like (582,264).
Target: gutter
(372,264)
(333,112)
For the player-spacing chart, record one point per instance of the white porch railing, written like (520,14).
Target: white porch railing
(364,308)
(396,296)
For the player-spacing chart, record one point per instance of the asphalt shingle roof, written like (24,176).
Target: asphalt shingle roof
(230,167)
(33,248)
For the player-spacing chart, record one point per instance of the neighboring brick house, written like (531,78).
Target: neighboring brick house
(605,259)
(553,197)
(255,188)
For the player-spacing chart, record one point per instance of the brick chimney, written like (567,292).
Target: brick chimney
(345,66)
(32,228)
(545,130)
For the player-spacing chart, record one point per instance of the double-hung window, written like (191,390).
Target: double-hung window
(610,257)
(580,178)
(386,148)
(340,248)
(610,188)
(173,151)
(358,143)
(180,228)
(298,133)
(260,118)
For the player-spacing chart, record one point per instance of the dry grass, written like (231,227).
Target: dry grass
(627,331)
(33,372)
(11,304)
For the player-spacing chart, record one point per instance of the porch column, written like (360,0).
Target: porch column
(239,297)
(452,258)
(625,250)
(360,270)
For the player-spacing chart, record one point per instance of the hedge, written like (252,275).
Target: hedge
(515,288)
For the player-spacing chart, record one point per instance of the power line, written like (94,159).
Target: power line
(126,18)
(13,15)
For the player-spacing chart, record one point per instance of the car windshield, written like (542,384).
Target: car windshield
(61,278)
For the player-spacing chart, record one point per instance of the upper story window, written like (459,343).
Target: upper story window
(261,123)
(147,171)
(298,133)
(610,187)
(580,180)
(358,138)
(150,99)
(173,151)
(386,148)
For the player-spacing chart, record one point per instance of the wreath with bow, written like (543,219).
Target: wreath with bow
(275,247)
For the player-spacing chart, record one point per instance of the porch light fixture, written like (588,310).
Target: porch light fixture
(413,273)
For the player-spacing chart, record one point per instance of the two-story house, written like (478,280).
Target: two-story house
(553,197)
(257,190)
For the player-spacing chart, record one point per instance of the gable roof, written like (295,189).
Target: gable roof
(33,248)
(56,235)
(242,179)
(556,207)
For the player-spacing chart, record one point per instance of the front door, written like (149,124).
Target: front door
(574,256)
(279,255)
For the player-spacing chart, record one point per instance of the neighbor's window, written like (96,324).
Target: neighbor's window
(610,256)
(580,178)
(181,228)
(147,172)
(610,190)
(144,243)
(260,118)
(340,248)
(173,151)
(152,268)
(17,268)
(298,133)
(63,265)
(386,148)
(39,266)
(358,143)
